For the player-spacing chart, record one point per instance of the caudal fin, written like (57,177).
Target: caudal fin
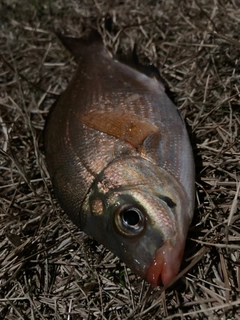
(82,46)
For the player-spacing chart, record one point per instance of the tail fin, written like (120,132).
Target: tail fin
(82,46)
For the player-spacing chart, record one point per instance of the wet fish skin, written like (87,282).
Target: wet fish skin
(120,161)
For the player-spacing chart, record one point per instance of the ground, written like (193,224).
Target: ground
(49,269)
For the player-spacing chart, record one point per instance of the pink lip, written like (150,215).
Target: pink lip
(166,263)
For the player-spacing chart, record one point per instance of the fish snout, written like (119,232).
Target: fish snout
(166,263)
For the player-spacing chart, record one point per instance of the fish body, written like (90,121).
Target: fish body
(120,161)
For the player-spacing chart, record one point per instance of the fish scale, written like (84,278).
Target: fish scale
(120,160)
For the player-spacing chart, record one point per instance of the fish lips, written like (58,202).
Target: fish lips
(166,262)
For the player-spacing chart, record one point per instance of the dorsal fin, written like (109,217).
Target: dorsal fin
(132,60)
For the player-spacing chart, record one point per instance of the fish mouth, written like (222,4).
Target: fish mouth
(166,263)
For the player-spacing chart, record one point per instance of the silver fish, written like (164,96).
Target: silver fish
(120,161)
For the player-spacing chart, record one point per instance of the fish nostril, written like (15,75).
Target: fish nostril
(168,201)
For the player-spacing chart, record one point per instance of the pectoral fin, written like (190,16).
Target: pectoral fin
(125,126)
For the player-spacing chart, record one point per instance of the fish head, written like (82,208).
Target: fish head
(134,209)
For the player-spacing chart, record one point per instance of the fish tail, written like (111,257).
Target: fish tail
(82,46)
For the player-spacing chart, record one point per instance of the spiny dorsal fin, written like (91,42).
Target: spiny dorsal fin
(132,60)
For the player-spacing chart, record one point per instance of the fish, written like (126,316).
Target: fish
(120,160)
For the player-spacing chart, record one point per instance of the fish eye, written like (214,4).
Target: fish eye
(130,220)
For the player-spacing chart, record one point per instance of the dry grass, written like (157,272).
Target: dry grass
(48,268)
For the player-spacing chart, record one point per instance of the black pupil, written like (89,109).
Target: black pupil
(131,217)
